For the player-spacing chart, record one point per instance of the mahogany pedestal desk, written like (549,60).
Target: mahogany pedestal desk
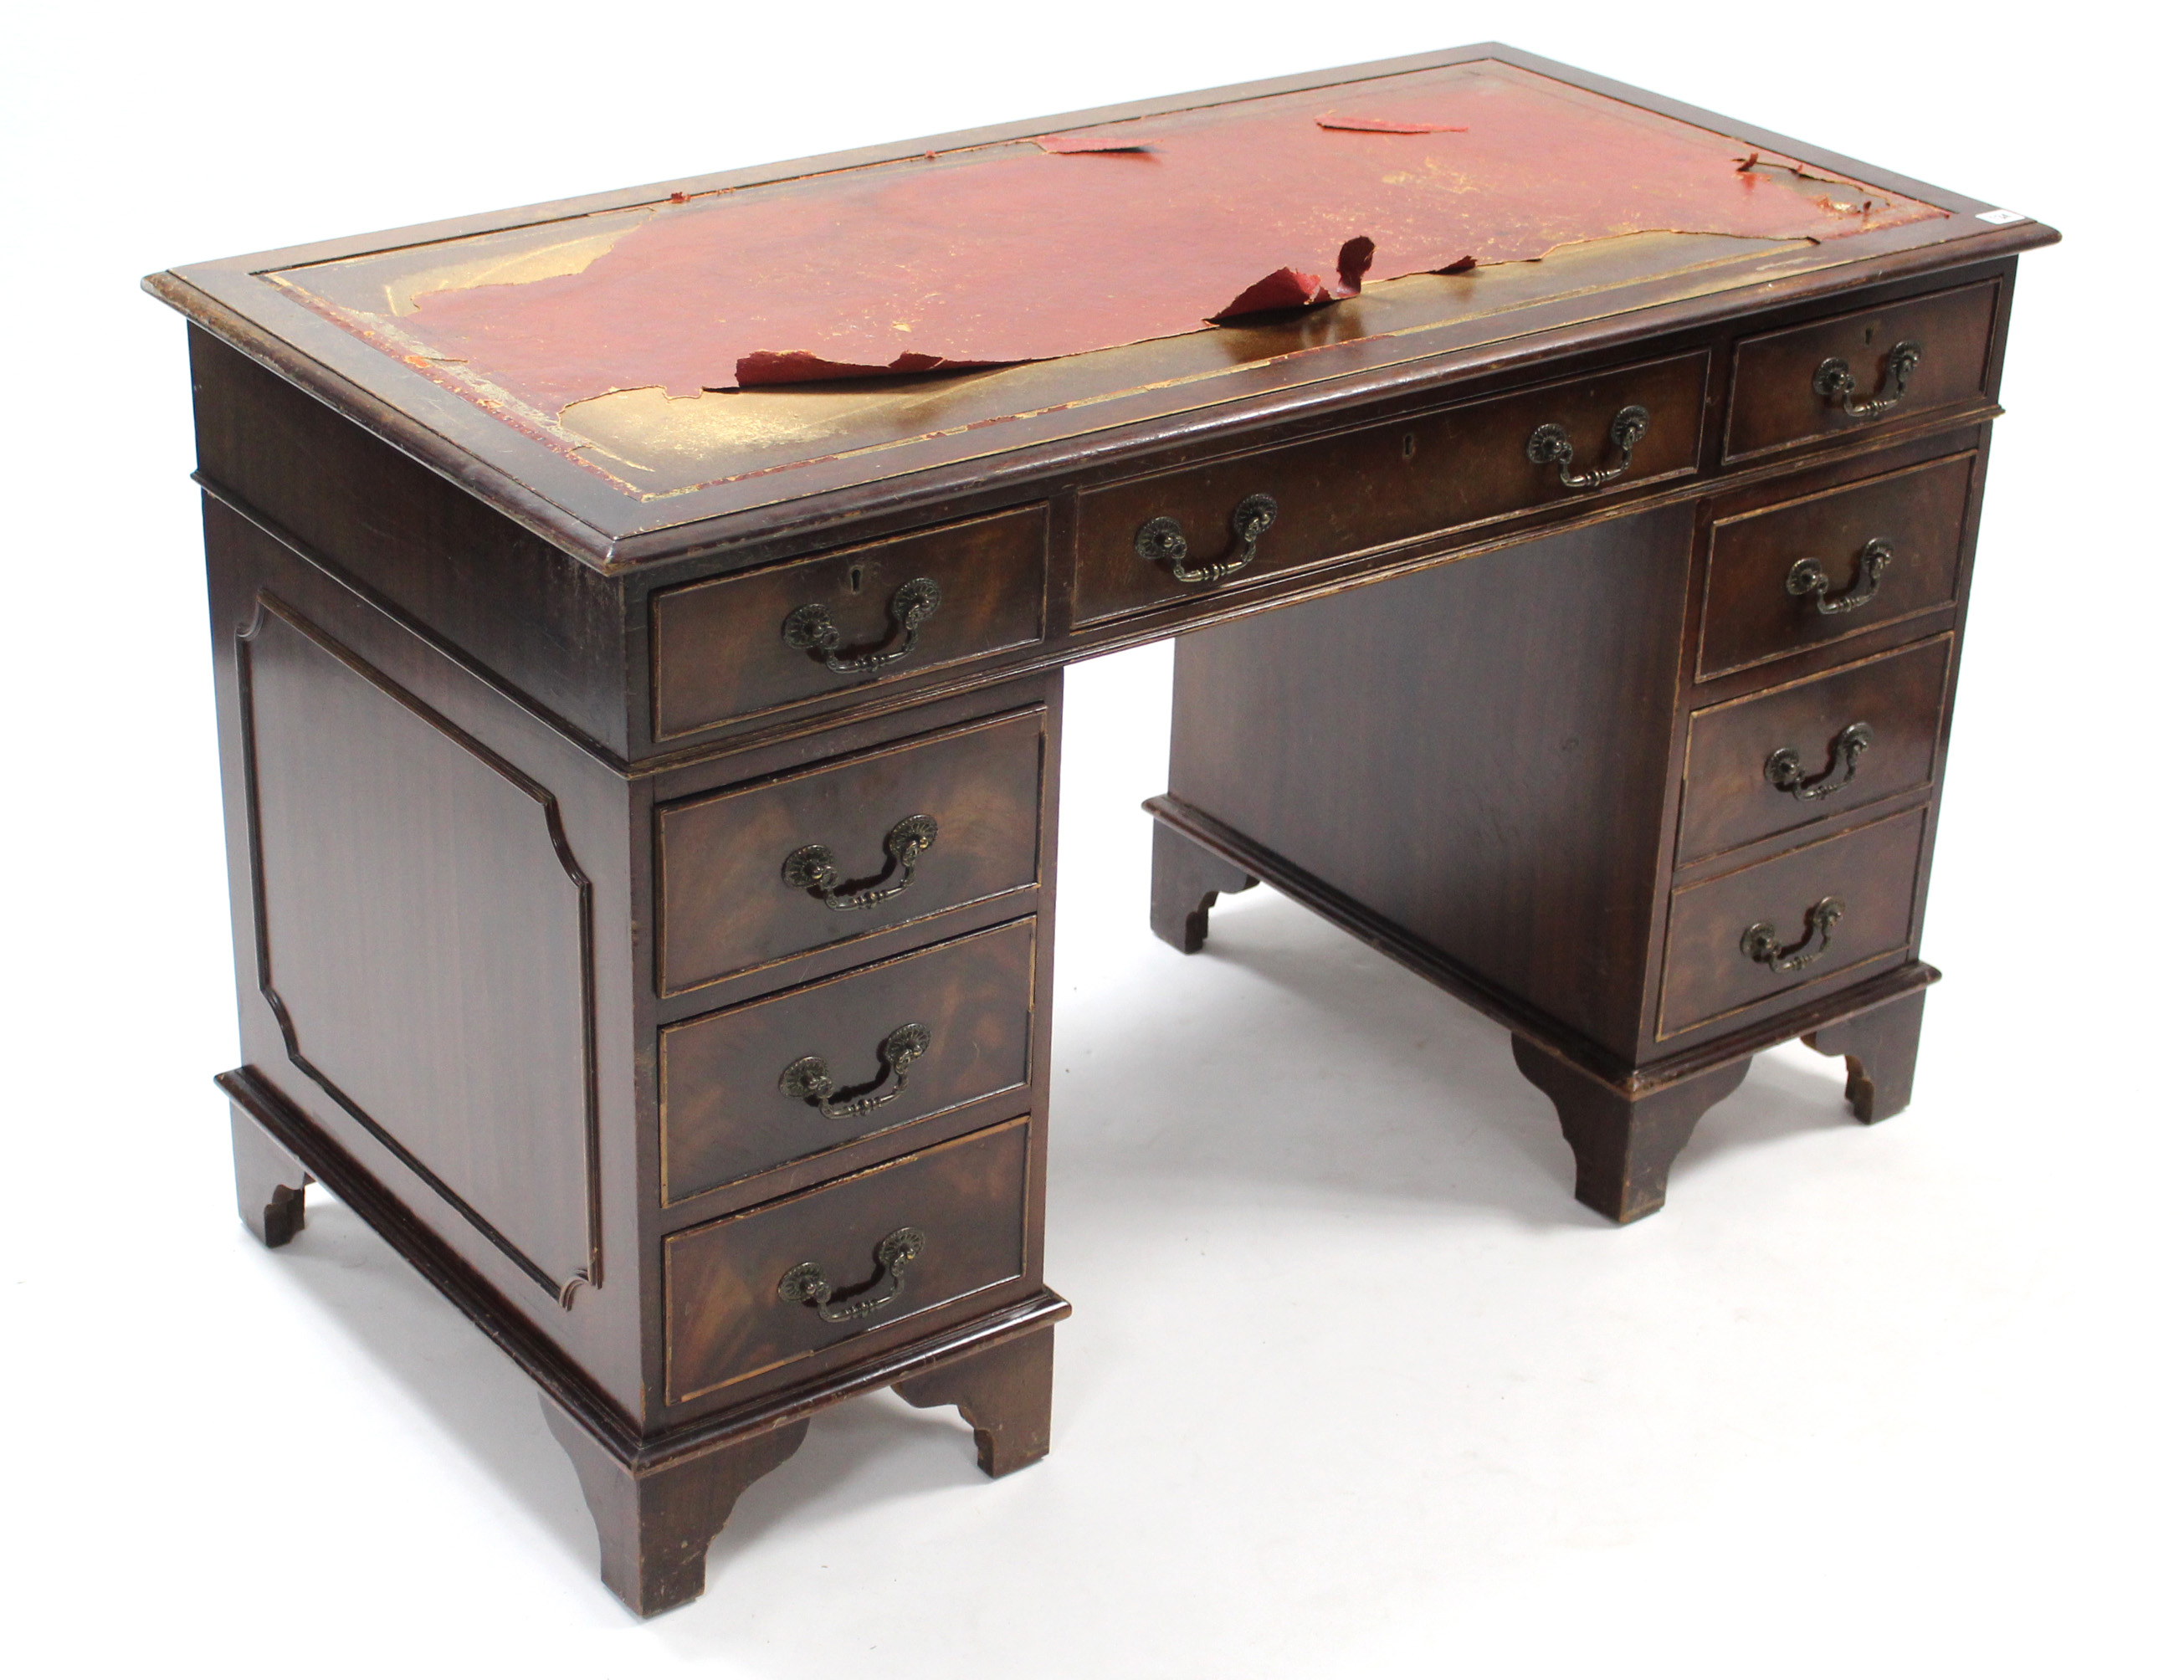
(640,624)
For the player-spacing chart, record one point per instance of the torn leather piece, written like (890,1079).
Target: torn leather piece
(1386,126)
(1007,252)
(1070,145)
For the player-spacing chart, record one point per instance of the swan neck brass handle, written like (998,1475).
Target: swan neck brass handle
(809,1080)
(1550,445)
(1760,944)
(1161,541)
(1833,382)
(807,1285)
(810,629)
(1809,577)
(1785,770)
(812,869)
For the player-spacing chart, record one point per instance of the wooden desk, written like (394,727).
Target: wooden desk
(640,691)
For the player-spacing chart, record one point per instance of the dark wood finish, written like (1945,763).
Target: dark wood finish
(717,650)
(1772,403)
(1429,473)
(1187,879)
(1467,752)
(1624,1143)
(513,754)
(724,908)
(723,1115)
(1874,871)
(655,1524)
(1751,617)
(268,1181)
(1880,1050)
(1728,800)
(725,1320)
(1005,1394)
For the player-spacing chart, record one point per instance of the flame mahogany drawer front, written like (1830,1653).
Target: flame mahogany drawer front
(820,858)
(1803,573)
(1803,921)
(1380,485)
(1846,373)
(1773,761)
(760,1289)
(790,1076)
(732,648)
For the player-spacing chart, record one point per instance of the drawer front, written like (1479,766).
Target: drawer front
(1752,613)
(727,902)
(1779,397)
(730,648)
(915,1037)
(1716,962)
(1775,761)
(1380,485)
(739,1301)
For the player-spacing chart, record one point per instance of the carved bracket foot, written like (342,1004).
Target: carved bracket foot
(1880,1049)
(1187,879)
(1005,1394)
(656,1520)
(269,1183)
(1624,1145)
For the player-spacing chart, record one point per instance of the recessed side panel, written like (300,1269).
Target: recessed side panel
(424,939)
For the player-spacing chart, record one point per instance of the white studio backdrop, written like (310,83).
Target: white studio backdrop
(1354,1388)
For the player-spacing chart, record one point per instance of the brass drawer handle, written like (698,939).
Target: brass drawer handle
(1550,445)
(811,629)
(1809,577)
(1161,541)
(1833,382)
(1760,944)
(807,1285)
(812,869)
(807,1079)
(1786,770)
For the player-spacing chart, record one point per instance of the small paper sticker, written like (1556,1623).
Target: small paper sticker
(2002,218)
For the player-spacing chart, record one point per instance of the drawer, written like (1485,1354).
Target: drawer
(900,1041)
(732,648)
(754,875)
(1773,761)
(759,1290)
(1717,961)
(1377,485)
(1782,394)
(1917,515)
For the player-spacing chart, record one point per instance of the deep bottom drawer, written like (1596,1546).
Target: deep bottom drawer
(1719,961)
(760,1289)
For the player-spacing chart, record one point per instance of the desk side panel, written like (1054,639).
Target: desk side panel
(1476,753)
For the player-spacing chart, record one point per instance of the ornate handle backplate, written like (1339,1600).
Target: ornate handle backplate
(808,1080)
(1161,541)
(1760,944)
(811,629)
(807,1285)
(1786,770)
(812,869)
(1833,382)
(1809,577)
(1550,445)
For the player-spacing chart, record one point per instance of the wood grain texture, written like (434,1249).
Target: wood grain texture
(724,906)
(726,1321)
(722,1113)
(1920,512)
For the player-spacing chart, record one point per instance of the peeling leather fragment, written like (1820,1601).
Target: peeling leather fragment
(1006,253)
(1385,126)
(1070,145)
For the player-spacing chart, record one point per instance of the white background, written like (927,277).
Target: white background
(1354,1388)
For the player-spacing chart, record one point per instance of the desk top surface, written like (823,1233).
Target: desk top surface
(621,366)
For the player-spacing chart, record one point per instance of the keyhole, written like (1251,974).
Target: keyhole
(1410,444)
(1869,331)
(856,579)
